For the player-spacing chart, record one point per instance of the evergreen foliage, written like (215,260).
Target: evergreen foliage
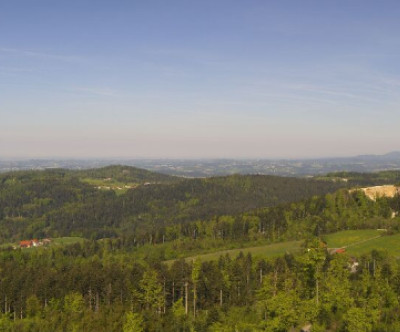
(117,279)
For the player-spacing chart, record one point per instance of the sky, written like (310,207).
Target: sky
(199,79)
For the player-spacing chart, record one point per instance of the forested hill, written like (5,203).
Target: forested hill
(119,280)
(115,200)
(193,199)
(366,179)
(63,202)
(125,174)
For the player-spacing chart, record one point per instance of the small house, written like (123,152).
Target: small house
(25,244)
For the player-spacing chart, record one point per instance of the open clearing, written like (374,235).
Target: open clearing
(109,184)
(380,191)
(390,243)
(356,242)
(352,238)
(267,251)
(66,240)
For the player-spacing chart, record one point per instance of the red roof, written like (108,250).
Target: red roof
(25,243)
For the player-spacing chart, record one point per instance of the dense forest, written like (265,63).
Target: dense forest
(94,287)
(64,203)
(367,179)
(127,272)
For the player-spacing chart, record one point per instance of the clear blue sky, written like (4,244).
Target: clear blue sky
(210,78)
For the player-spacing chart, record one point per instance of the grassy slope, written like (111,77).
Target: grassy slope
(118,187)
(267,251)
(121,178)
(357,242)
(391,244)
(125,174)
(363,241)
(66,240)
(352,238)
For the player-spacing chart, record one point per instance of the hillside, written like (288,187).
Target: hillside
(193,199)
(354,242)
(64,202)
(199,253)
(125,174)
(69,203)
(122,178)
(365,179)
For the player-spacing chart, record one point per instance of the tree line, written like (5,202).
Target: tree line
(87,287)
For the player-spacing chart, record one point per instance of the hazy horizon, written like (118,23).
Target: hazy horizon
(127,158)
(190,80)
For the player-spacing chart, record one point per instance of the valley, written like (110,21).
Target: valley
(211,254)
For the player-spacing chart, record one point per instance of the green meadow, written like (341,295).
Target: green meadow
(356,242)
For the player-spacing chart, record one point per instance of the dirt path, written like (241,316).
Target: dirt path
(363,241)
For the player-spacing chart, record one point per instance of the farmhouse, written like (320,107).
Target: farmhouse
(33,243)
(29,243)
(25,244)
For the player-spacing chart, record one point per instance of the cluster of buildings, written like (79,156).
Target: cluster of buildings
(34,243)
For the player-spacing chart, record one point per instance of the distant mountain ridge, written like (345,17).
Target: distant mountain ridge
(394,155)
(221,167)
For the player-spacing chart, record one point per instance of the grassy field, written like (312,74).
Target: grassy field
(352,238)
(356,242)
(104,184)
(6,245)
(268,251)
(390,243)
(61,241)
